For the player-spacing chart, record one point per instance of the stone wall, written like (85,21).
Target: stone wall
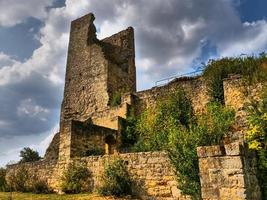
(46,170)
(53,149)
(228,172)
(109,117)
(89,139)
(151,173)
(237,94)
(120,50)
(194,87)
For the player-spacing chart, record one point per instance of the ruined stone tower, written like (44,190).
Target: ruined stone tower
(90,126)
(96,71)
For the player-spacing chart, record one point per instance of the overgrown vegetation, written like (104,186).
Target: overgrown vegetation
(3,183)
(116,179)
(116,99)
(29,155)
(252,69)
(18,179)
(22,180)
(30,196)
(76,179)
(172,126)
(256,136)
(128,134)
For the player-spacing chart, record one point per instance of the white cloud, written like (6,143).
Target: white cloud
(251,40)
(13,12)
(29,108)
(6,60)
(10,150)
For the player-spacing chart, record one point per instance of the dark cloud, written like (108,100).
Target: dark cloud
(30,107)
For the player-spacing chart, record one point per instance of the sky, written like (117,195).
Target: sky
(172,37)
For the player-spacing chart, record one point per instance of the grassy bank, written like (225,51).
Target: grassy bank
(29,196)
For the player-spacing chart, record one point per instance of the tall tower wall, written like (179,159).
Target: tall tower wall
(96,71)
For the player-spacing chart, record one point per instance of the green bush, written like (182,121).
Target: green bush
(172,126)
(3,183)
(128,133)
(207,129)
(38,185)
(256,136)
(116,180)
(116,99)
(252,69)
(156,122)
(76,179)
(19,179)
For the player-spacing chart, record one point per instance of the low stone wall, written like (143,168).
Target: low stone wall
(195,88)
(151,173)
(43,170)
(228,172)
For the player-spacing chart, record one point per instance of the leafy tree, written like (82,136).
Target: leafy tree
(29,155)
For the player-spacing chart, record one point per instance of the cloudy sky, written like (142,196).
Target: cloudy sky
(172,37)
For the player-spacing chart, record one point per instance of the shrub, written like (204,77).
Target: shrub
(116,99)
(22,180)
(171,126)
(3,183)
(256,136)
(252,69)
(38,185)
(116,179)
(206,129)
(128,133)
(156,122)
(75,179)
(29,155)
(18,179)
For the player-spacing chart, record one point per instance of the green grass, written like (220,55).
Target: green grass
(29,196)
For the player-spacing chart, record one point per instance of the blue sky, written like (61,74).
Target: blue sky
(171,36)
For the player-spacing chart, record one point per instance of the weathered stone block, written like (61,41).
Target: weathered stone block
(210,151)
(234,149)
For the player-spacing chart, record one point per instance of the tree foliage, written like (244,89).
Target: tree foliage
(256,136)
(29,155)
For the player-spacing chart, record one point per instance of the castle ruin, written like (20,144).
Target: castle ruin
(96,71)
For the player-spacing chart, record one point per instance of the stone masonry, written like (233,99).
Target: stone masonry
(228,172)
